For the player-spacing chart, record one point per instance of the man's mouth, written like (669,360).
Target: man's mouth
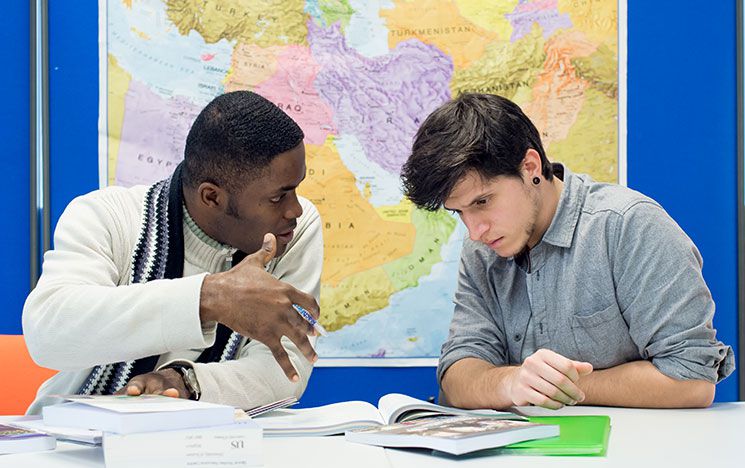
(493,244)
(285,236)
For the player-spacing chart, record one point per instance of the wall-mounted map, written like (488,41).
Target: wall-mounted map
(359,77)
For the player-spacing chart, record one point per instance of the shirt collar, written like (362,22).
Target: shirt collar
(561,230)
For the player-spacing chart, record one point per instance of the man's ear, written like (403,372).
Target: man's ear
(212,196)
(532,166)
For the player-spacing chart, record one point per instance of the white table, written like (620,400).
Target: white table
(712,437)
(701,438)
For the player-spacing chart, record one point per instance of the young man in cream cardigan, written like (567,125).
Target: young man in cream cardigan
(186,287)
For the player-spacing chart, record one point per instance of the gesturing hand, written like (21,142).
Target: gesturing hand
(166,382)
(253,303)
(548,379)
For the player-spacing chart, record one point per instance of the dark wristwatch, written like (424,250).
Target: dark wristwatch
(190,380)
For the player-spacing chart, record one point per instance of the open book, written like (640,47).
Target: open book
(338,418)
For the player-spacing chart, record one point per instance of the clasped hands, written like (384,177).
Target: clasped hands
(547,379)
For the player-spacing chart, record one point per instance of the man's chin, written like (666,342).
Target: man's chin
(502,254)
(280,249)
(505,251)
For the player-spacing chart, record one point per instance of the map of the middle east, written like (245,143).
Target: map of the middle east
(359,77)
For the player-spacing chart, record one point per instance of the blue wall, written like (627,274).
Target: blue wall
(73,103)
(682,134)
(681,150)
(14,134)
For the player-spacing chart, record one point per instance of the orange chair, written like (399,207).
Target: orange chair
(20,377)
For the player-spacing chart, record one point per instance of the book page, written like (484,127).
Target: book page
(259,410)
(395,407)
(328,419)
(393,404)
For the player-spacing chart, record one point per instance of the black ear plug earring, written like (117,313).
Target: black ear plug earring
(536,180)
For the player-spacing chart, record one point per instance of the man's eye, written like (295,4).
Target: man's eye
(481,201)
(277,199)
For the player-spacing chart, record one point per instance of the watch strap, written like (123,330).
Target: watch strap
(190,379)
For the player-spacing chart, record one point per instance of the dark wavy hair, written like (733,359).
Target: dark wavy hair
(482,132)
(234,138)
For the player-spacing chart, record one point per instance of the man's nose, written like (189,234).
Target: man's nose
(476,227)
(295,209)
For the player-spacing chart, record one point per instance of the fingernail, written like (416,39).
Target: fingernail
(295,378)
(572,403)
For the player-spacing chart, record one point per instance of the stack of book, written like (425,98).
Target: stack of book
(157,431)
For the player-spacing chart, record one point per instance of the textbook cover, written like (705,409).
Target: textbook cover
(235,445)
(455,435)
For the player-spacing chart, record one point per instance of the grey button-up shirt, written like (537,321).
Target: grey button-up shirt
(613,280)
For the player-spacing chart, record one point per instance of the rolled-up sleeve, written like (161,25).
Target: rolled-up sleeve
(664,298)
(473,331)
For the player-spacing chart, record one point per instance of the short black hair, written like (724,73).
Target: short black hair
(234,138)
(482,132)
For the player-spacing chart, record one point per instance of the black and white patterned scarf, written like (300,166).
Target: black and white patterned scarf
(159,254)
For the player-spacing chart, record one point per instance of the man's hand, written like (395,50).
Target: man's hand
(166,382)
(253,303)
(547,379)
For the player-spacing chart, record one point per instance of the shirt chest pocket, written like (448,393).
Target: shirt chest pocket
(603,338)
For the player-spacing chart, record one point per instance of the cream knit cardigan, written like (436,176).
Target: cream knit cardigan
(83,311)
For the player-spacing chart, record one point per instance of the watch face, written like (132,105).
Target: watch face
(190,382)
(192,377)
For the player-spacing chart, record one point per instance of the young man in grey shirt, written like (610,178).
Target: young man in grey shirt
(570,291)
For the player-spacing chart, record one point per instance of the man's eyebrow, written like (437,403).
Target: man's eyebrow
(475,199)
(289,187)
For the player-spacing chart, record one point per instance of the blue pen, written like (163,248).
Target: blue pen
(309,318)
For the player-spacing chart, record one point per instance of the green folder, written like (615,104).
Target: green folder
(579,435)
